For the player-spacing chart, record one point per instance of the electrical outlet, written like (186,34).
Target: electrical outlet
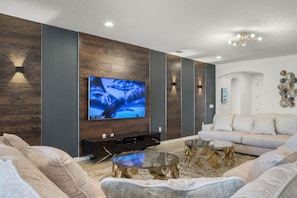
(160,129)
(112,135)
(104,136)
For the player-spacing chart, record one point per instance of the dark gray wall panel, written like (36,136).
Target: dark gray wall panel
(60,89)
(188,97)
(210,93)
(158,92)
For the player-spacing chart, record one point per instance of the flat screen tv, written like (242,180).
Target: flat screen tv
(111,98)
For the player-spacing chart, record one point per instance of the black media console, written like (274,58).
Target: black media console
(103,149)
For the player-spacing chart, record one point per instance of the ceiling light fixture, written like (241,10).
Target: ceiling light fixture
(242,39)
(218,57)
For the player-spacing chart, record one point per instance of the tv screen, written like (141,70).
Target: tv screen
(110,98)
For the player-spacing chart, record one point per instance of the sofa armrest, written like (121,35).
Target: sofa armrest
(207,127)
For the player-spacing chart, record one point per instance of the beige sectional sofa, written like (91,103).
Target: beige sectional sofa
(252,134)
(271,175)
(41,171)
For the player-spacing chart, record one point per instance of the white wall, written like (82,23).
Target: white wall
(258,84)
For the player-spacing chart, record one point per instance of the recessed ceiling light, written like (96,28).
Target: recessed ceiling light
(108,24)
(218,57)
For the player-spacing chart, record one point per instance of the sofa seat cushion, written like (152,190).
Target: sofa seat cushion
(30,173)
(59,167)
(271,159)
(233,136)
(277,182)
(265,141)
(241,171)
(286,124)
(290,143)
(173,188)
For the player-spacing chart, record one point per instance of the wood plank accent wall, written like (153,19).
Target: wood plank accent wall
(199,95)
(173,97)
(107,58)
(20,94)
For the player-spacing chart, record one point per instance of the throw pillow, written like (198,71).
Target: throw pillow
(280,181)
(264,124)
(271,159)
(286,124)
(223,122)
(243,123)
(15,141)
(30,173)
(59,167)
(197,187)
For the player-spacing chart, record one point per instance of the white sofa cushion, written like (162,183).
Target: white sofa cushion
(30,173)
(264,140)
(286,124)
(11,180)
(264,124)
(243,123)
(277,182)
(233,136)
(58,166)
(271,159)
(173,188)
(223,122)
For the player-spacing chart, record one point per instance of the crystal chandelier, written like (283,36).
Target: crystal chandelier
(242,39)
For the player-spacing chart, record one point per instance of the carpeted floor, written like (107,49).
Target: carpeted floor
(187,170)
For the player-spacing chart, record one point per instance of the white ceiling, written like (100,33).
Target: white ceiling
(199,28)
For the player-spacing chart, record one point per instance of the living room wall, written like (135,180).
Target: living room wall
(269,69)
(21,96)
(20,93)
(107,58)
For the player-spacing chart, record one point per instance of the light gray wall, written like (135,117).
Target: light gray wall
(188,97)
(60,113)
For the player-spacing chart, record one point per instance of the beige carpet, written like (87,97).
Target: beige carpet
(187,170)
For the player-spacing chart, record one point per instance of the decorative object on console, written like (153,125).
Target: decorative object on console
(242,39)
(287,89)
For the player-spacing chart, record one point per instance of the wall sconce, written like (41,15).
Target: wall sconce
(173,83)
(19,69)
(199,86)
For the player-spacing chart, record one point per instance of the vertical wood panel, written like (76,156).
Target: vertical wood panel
(173,97)
(20,94)
(106,58)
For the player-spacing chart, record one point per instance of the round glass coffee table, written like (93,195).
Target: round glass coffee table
(157,163)
(211,147)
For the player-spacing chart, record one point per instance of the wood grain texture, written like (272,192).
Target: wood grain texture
(173,97)
(107,58)
(20,94)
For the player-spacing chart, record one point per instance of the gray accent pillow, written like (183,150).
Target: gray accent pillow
(219,187)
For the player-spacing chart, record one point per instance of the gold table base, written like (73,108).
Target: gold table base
(157,172)
(215,155)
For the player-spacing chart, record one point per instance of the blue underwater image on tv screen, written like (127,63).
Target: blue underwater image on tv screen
(111,98)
